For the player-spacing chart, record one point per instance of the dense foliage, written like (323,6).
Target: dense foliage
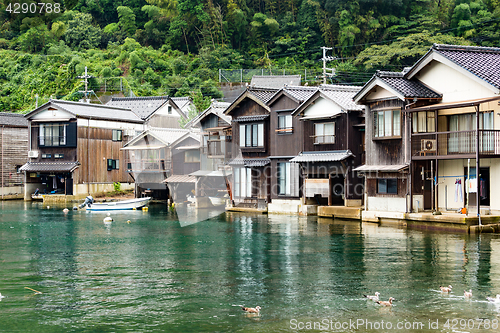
(177,46)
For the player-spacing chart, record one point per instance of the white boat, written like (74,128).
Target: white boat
(119,205)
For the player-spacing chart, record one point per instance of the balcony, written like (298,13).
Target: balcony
(148,165)
(448,145)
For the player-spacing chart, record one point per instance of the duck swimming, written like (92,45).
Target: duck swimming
(373,298)
(251,310)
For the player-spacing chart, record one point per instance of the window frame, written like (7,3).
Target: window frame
(284,179)
(43,140)
(113,164)
(387,186)
(287,120)
(254,137)
(243,182)
(189,151)
(380,132)
(316,136)
(117,135)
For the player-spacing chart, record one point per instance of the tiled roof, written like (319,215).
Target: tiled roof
(96,111)
(181,102)
(49,166)
(180,179)
(251,118)
(323,156)
(407,88)
(216,108)
(264,94)
(342,95)
(300,93)
(13,119)
(168,135)
(483,62)
(275,81)
(141,106)
(250,162)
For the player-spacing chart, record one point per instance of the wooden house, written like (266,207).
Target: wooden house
(185,161)
(386,96)
(251,186)
(149,160)
(13,153)
(332,144)
(456,139)
(286,142)
(156,111)
(75,148)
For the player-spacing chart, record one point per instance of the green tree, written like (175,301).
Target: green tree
(126,21)
(80,33)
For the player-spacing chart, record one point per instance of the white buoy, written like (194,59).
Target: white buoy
(65,210)
(108,219)
(48,207)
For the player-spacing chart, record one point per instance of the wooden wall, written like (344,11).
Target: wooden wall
(285,144)
(179,166)
(14,148)
(94,149)
(249,108)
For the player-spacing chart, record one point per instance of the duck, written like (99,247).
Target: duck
(373,298)
(468,294)
(251,310)
(446,289)
(386,303)
(494,300)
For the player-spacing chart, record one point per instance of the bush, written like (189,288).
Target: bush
(117,187)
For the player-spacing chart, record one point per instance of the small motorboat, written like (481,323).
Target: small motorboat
(218,201)
(119,205)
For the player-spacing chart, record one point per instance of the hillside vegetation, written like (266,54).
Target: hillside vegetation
(176,47)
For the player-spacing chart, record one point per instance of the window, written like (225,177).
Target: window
(242,182)
(387,186)
(113,164)
(192,156)
(387,124)
(424,122)
(252,135)
(18,168)
(285,124)
(52,135)
(117,135)
(58,155)
(324,133)
(46,155)
(169,109)
(284,179)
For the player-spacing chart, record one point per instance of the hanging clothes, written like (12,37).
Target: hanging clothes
(458,191)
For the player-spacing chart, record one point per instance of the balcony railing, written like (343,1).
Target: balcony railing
(455,143)
(149,165)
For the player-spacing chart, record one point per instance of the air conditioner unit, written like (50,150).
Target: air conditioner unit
(428,145)
(33,154)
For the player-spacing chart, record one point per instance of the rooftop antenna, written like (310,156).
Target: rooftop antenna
(86,92)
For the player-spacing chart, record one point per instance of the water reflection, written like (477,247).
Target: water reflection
(153,273)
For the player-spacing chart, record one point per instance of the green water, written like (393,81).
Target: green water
(152,275)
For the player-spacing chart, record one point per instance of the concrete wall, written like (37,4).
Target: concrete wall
(386,204)
(12,191)
(81,190)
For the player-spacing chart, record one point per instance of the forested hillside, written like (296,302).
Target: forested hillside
(177,46)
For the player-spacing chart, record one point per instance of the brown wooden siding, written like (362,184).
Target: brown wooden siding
(95,147)
(285,144)
(14,152)
(179,166)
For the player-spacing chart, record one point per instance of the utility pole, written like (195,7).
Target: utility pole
(325,59)
(86,92)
